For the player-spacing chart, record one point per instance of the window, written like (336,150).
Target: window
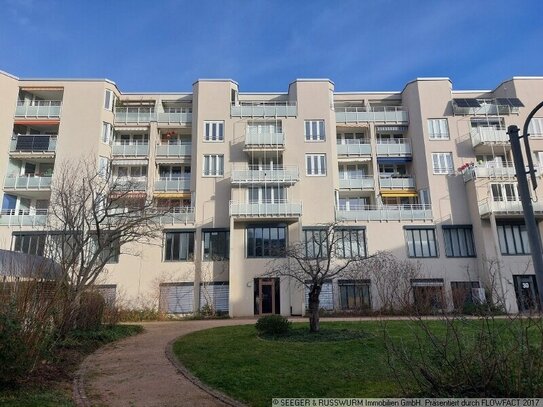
(213,165)
(315,164)
(108,100)
(351,242)
(216,244)
(314,130)
(513,239)
(103,166)
(316,243)
(459,241)
(29,243)
(535,127)
(438,129)
(214,131)
(504,192)
(266,241)
(354,294)
(106,132)
(110,251)
(442,163)
(266,194)
(421,242)
(179,246)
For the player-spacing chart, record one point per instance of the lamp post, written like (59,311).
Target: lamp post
(524,192)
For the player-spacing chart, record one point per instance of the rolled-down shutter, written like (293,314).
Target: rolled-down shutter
(326,298)
(214,294)
(109,292)
(177,298)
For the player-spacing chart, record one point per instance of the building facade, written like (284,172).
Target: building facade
(425,173)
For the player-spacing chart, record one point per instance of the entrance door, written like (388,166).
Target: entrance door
(526,291)
(266,296)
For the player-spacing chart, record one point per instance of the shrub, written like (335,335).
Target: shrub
(273,325)
(90,312)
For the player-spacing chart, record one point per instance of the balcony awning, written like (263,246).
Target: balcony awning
(173,160)
(125,128)
(35,88)
(37,122)
(344,159)
(172,195)
(391,160)
(356,124)
(128,161)
(399,194)
(391,128)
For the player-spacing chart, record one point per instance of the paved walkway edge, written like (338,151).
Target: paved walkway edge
(194,380)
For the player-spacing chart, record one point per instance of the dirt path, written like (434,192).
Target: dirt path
(136,372)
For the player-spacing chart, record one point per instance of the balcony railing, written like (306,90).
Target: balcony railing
(385,213)
(266,209)
(130,183)
(254,139)
(506,208)
(28,182)
(382,114)
(134,115)
(39,109)
(33,144)
(254,175)
(482,171)
(488,135)
(394,147)
(264,109)
(177,118)
(12,217)
(356,181)
(174,150)
(130,150)
(405,182)
(173,184)
(354,147)
(181,215)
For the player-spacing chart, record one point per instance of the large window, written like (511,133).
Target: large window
(266,241)
(442,163)
(179,246)
(111,249)
(351,242)
(504,192)
(213,165)
(214,131)
(315,164)
(458,241)
(106,132)
(535,127)
(438,129)
(421,242)
(314,130)
(216,244)
(29,243)
(513,239)
(316,243)
(354,294)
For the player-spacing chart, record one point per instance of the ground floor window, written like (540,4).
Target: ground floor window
(354,294)
(463,293)
(29,243)
(428,294)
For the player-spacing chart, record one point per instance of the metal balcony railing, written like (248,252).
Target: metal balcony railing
(130,150)
(179,215)
(26,217)
(265,209)
(134,114)
(178,117)
(38,109)
(255,175)
(130,183)
(253,139)
(414,212)
(506,208)
(174,150)
(264,109)
(355,181)
(483,171)
(354,147)
(28,182)
(488,135)
(33,144)
(394,147)
(382,114)
(173,184)
(405,182)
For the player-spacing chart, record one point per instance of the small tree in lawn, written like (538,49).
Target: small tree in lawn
(323,256)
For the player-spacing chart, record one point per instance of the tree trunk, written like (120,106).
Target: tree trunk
(314,302)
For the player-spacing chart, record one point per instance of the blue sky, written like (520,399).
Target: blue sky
(166,45)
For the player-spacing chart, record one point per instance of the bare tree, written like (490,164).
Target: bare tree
(322,257)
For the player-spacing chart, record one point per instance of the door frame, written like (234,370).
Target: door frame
(275,295)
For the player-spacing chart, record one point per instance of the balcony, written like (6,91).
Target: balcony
(173,184)
(12,217)
(126,115)
(33,145)
(355,181)
(405,182)
(378,114)
(264,109)
(130,150)
(173,150)
(39,109)
(276,209)
(506,208)
(175,216)
(385,213)
(286,174)
(263,141)
(28,183)
(354,148)
(482,171)
(174,118)
(488,135)
(394,148)
(129,184)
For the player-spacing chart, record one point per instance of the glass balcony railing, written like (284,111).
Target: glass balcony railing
(129,184)
(356,182)
(492,172)
(405,182)
(173,184)
(506,208)
(177,117)
(134,115)
(28,182)
(33,144)
(264,109)
(39,109)
(254,175)
(174,150)
(12,217)
(130,150)
(266,209)
(408,212)
(394,147)
(180,215)
(381,114)
(354,147)
(254,139)
(488,135)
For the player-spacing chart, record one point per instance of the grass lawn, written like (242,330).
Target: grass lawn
(51,384)
(255,370)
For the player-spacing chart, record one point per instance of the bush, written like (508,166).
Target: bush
(90,312)
(273,325)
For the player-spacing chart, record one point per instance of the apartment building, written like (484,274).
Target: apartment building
(425,173)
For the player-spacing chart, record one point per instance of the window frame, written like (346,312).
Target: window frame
(107,133)
(520,229)
(40,244)
(190,245)
(408,230)
(356,285)
(109,97)
(321,159)
(315,134)
(226,240)
(443,134)
(447,237)
(309,232)
(219,162)
(361,245)
(212,127)
(261,227)
(442,170)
